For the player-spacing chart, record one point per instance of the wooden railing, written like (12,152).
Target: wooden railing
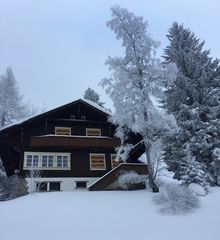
(74,141)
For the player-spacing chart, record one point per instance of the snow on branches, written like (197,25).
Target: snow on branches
(133,78)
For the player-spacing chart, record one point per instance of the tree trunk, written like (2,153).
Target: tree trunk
(152,184)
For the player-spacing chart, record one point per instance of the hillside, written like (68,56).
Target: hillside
(105,216)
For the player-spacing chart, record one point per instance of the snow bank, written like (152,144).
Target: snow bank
(104,216)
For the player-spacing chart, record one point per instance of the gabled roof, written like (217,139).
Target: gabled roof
(42,115)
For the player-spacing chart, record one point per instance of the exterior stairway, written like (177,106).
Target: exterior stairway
(109,178)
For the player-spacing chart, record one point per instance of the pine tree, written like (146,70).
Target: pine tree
(192,171)
(93,96)
(11,106)
(193,99)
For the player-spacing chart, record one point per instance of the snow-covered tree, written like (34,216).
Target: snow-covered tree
(12,187)
(3,179)
(216,165)
(193,99)
(93,96)
(11,105)
(32,175)
(133,78)
(192,171)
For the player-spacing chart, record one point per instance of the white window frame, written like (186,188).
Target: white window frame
(90,160)
(113,155)
(88,129)
(62,160)
(32,160)
(66,128)
(54,154)
(47,154)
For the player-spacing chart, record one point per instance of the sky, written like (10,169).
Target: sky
(58,48)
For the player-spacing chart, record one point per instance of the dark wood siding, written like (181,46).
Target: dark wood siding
(80,163)
(74,142)
(15,140)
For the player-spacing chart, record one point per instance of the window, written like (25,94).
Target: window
(63,131)
(29,160)
(48,186)
(115,161)
(41,186)
(93,132)
(47,160)
(32,161)
(54,186)
(62,161)
(97,161)
(81,184)
(83,117)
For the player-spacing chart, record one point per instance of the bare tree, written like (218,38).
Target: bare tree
(32,175)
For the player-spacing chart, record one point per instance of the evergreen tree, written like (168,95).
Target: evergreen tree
(93,96)
(11,106)
(194,101)
(192,171)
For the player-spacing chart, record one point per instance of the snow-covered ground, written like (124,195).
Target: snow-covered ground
(105,216)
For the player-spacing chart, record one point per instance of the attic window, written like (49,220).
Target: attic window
(63,131)
(97,161)
(115,162)
(93,132)
(83,117)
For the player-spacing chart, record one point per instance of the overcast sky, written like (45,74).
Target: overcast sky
(58,48)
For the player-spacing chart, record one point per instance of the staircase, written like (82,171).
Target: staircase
(109,178)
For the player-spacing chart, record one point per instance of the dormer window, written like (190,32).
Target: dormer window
(63,131)
(93,132)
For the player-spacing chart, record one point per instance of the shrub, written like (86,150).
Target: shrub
(176,199)
(131,181)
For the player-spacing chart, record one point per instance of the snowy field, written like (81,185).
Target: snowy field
(105,216)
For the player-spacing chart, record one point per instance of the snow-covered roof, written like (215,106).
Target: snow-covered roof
(95,105)
(70,136)
(92,104)
(18,122)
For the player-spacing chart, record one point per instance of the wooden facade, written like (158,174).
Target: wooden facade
(69,141)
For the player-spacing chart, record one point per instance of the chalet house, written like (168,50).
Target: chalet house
(73,146)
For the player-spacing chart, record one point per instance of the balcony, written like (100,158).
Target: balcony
(74,141)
